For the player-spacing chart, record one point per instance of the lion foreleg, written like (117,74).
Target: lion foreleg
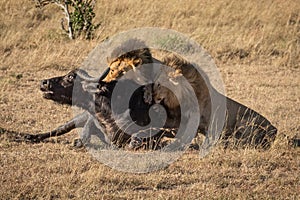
(148,94)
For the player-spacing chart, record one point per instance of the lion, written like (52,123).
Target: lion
(128,57)
(245,126)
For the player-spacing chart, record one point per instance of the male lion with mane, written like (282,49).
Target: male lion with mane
(243,125)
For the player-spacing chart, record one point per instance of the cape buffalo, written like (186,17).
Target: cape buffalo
(94,97)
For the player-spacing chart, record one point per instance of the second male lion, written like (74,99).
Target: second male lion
(244,125)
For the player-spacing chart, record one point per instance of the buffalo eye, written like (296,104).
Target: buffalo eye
(70,78)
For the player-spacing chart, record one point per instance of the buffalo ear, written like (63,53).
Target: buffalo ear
(90,87)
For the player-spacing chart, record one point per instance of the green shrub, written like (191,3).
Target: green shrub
(79,15)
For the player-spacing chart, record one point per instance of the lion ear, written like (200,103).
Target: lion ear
(137,61)
(174,76)
(172,80)
(178,73)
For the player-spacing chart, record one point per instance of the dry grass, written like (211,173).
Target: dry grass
(256,45)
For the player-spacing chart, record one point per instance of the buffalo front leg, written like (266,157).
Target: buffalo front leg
(76,122)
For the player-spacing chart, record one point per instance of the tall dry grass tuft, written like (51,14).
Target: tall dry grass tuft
(230,30)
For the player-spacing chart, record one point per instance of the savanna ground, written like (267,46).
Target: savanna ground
(256,45)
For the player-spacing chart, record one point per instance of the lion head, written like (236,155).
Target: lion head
(128,56)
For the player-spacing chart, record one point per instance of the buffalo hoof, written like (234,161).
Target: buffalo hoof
(78,143)
(32,138)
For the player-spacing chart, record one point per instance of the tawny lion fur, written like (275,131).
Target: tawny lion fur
(242,123)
